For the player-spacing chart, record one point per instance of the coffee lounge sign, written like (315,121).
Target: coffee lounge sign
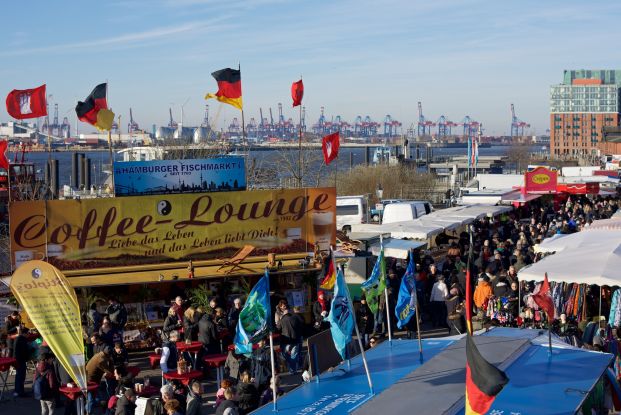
(540,180)
(74,234)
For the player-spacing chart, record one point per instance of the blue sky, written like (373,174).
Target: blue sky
(459,57)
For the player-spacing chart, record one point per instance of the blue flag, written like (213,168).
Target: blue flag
(341,315)
(254,319)
(406,303)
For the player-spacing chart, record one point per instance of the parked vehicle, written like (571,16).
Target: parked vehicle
(351,210)
(402,211)
(376,214)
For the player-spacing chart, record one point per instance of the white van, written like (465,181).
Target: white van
(350,210)
(399,212)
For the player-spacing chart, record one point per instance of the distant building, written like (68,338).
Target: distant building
(580,108)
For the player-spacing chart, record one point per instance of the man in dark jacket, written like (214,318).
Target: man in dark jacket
(117,314)
(261,366)
(21,354)
(49,394)
(126,405)
(292,328)
(194,400)
(208,336)
(233,316)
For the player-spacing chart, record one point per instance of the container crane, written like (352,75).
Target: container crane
(65,128)
(205,122)
(172,123)
(391,126)
(443,129)
(252,128)
(517,125)
(132,125)
(234,128)
(319,127)
(424,125)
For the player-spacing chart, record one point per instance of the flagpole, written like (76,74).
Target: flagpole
(417,316)
(300,146)
(549,334)
(244,141)
(274,387)
(364,357)
(386,296)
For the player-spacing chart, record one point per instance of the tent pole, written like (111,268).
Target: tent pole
(420,343)
(599,316)
(273,362)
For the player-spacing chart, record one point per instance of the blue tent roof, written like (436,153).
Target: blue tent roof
(537,384)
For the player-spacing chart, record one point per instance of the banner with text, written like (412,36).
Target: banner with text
(132,178)
(92,233)
(51,304)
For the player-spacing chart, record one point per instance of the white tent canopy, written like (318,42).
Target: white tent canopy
(434,223)
(596,264)
(396,248)
(597,238)
(613,223)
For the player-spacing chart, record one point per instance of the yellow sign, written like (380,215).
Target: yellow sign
(149,229)
(45,294)
(541,178)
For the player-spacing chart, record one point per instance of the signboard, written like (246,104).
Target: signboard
(540,180)
(154,177)
(94,233)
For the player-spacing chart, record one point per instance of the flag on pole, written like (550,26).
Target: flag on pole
(229,87)
(297,92)
(341,316)
(469,151)
(483,380)
(27,103)
(255,317)
(475,142)
(330,147)
(374,286)
(544,300)
(406,302)
(94,110)
(4,161)
(329,273)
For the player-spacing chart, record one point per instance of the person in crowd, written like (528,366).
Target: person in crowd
(177,307)
(98,366)
(260,365)
(190,323)
(292,327)
(171,323)
(194,399)
(12,321)
(126,405)
(439,294)
(229,405)
(502,287)
(268,394)
(21,354)
(108,333)
(224,385)
(365,320)
(482,292)
(97,344)
(247,394)
(321,309)
(94,318)
(208,336)
(234,365)
(117,314)
(45,384)
(233,316)
(172,407)
(119,356)
(170,355)
(220,319)
(280,311)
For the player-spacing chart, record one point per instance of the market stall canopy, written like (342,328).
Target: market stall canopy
(596,264)
(516,196)
(599,237)
(396,248)
(402,230)
(613,223)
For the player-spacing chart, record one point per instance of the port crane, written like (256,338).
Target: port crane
(517,125)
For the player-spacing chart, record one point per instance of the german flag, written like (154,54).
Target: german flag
(94,110)
(229,87)
(329,273)
(483,380)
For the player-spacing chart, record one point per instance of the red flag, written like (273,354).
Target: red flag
(4,161)
(329,273)
(27,103)
(330,147)
(483,380)
(544,300)
(297,92)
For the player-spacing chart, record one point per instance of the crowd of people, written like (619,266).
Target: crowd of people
(495,249)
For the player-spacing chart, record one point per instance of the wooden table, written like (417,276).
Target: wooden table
(5,365)
(185,378)
(216,361)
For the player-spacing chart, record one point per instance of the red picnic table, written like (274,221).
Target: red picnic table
(148,391)
(185,378)
(74,392)
(216,361)
(192,347)
(5,365)
(154,359)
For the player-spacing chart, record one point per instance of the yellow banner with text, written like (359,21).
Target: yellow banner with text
(92,233)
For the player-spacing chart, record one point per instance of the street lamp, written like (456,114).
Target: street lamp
(379,192)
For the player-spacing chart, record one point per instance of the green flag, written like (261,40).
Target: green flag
(375,285)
